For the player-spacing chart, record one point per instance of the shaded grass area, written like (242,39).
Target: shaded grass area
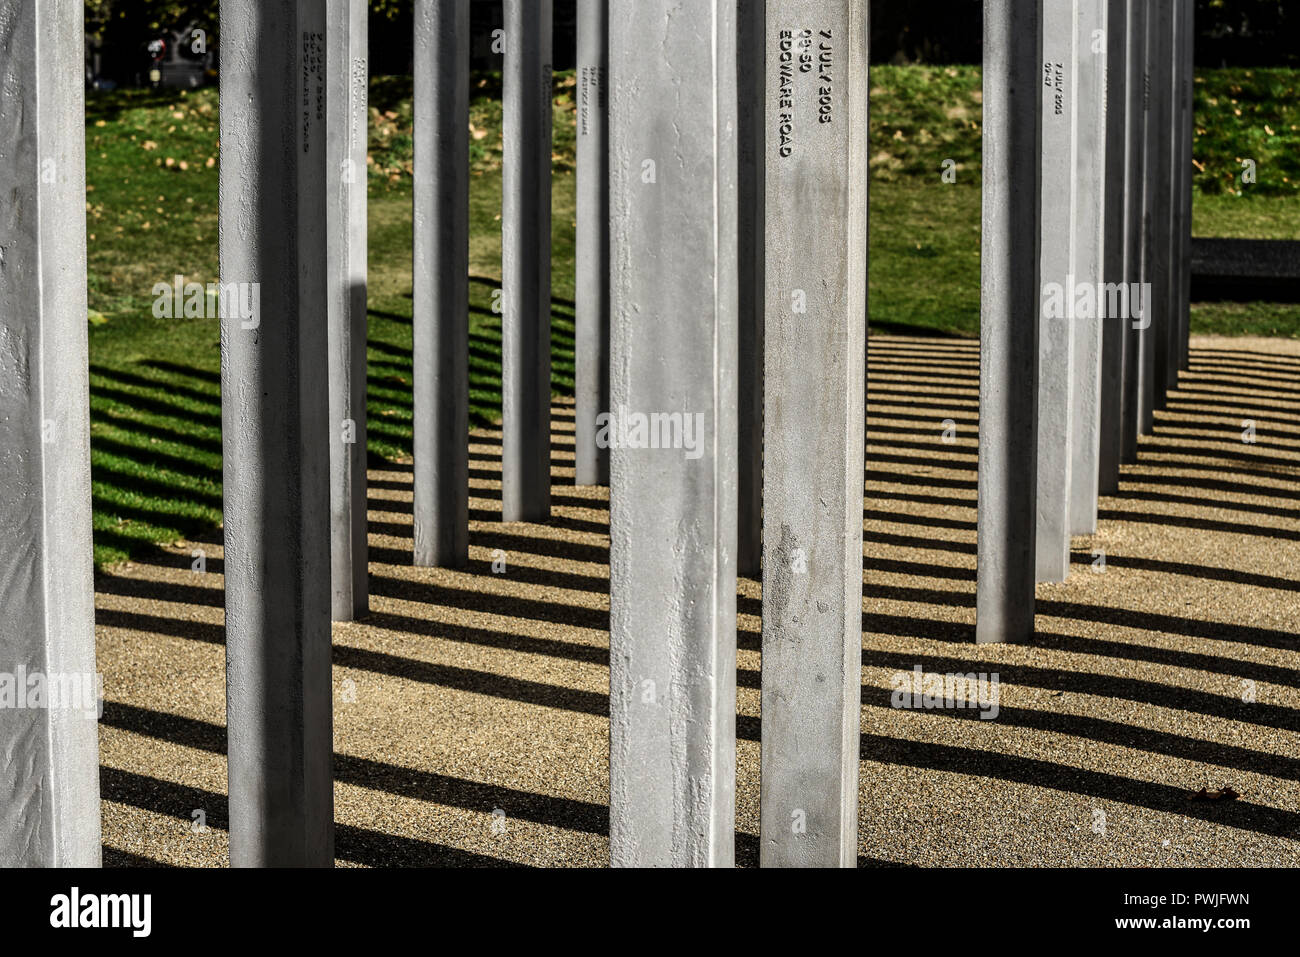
(155,438)
(152,214)
(155,383)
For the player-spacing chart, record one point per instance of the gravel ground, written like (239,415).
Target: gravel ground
(470,707)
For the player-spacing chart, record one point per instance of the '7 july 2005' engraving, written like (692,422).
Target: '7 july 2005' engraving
(801,53)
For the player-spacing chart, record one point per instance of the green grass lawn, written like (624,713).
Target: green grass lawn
(925,233)
(152,214)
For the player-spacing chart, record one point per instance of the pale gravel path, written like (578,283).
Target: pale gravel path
(469,691)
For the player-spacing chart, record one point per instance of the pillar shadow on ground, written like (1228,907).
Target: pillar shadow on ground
(920,533)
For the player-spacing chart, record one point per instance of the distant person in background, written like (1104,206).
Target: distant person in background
(157,53)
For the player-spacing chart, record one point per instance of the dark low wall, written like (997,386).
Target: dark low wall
(1247,270)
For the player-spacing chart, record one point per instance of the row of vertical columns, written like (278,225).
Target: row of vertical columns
(1114,97)
(1074,304)
(292,254)
(592,263)
(690,297)
(683,280)
(1086,213)
(1147,239)
(592,391)
(1153,330)
(1165,236)
(440,290)
(293,248)
(441,266)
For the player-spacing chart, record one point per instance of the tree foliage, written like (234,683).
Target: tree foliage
(1229,32)
(149,15)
